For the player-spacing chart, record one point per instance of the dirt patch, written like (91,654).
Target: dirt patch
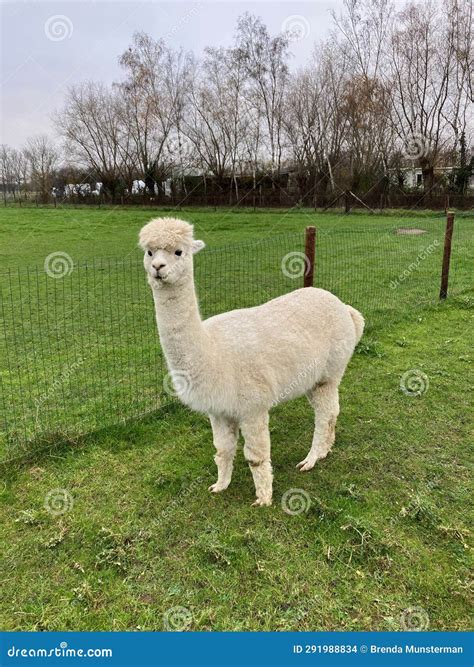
(406,231)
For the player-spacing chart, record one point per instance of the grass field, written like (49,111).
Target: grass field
(386,529)
(80,351)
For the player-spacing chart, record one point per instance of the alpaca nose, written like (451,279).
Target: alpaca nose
(158,268)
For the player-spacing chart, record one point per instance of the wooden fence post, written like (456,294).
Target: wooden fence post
(443,292)
(310,243)
(347,202)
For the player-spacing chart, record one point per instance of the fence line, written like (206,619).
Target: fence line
(268,198)
(79,341)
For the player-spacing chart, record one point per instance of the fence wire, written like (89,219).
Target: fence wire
(81,352)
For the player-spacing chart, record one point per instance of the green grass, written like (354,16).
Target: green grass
(81,351)
(387,524)
(29,234)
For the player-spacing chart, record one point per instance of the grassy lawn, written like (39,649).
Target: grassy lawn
(80,351)
(29,234)
(386,526)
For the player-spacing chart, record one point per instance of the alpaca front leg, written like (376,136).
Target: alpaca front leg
(325,401)
(225,433)
(257,454)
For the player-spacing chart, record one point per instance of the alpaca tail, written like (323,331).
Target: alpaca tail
(358,321)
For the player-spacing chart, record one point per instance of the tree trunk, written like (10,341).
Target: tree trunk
(428,178)
(150,184)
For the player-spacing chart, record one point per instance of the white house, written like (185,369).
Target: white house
(413,176)
(81,189)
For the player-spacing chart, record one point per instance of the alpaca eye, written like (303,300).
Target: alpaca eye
(149,253)
(179,253)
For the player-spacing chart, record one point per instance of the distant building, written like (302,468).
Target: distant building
(77,189)
(138,187)
(413,176)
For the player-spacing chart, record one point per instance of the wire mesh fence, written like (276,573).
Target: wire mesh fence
(79,344)
(375,198)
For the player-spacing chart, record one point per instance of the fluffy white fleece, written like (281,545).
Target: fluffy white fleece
(237,365)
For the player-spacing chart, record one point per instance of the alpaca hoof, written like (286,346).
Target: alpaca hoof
(217,488)
(306,465)
(262,502)
(309,462)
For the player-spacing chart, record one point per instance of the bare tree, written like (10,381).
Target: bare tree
(19,170)
(153,92)
(412,69)
(365,26)
(91,123)
(314,122)
(265,61)
(457,14)
(43,158)
(387,88)
(24,175)
(227,71)
(205,124)
(365,107)
(221,117)
(420,65)
(5,170)
(13,170)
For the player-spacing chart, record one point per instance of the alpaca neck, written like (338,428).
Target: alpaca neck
(180,326)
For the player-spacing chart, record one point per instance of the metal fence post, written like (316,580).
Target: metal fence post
(443,292)
(310,243)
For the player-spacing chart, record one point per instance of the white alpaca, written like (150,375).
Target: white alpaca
(237,365)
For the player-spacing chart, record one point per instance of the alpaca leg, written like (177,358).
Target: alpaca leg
(225,433)
(325,401)
(257,454)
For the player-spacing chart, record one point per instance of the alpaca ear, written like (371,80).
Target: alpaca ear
(197,246)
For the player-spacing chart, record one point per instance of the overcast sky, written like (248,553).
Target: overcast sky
(48,46)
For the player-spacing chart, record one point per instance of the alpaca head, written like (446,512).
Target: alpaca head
(169,246)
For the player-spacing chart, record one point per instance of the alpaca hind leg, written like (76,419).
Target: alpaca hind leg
(257,454)
(325,401)
(225,434)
